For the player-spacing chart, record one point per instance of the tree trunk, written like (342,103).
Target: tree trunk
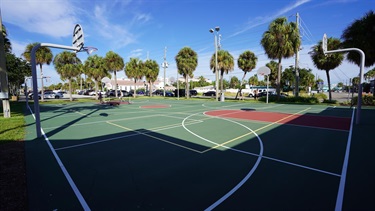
(187,87)
(41,76)
(278,79)
(96,89)
(329,85)
(221,81)
(70,89)
(240,89)
(135,88)
(114,72)
(150,88)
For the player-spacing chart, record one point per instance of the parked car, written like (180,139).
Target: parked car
(48,94)
(209,93)
(193,92)
(169,94)
(112,93)
(158,92)
(87,91)
(126,93)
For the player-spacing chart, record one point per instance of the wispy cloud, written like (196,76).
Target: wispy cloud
(262,20)
(136,53)
(117,35)
(53,18)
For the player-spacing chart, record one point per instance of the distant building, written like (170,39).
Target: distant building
(128,84)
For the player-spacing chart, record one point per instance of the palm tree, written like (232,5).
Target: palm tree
(370,74)
(360,34)
(7,43)
(234,82)
(225,63)
(68,66)
(329,62)
(247,61)
(134,69)
(187,62)
(114,63)
(151,69)
(96,69)
(42,56)
(274,69)
(253,80)
(281,40)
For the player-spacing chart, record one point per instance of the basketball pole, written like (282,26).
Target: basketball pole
(362,67)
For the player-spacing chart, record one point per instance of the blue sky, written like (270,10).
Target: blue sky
(143,28)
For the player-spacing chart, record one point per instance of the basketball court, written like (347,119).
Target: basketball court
(168,154)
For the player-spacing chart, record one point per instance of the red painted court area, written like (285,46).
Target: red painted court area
(329,122)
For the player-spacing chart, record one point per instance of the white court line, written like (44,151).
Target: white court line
(76,191)
(252,170)
(340,194)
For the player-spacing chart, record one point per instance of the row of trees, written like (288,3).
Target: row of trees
(70,67)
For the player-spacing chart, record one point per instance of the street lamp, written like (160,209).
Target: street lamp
(217,29)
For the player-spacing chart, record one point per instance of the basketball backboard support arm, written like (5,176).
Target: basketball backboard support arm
(362,67)
(35,83)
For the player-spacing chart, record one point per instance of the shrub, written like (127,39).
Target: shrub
(291,99)
(366,100)
(330,101)
(320,96)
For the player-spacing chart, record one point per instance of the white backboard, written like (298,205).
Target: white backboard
(78,37)
(264,71)
(324,43)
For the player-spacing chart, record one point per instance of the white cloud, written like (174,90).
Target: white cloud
(117,35)
(54,17)
(262,20)
(136,53)
(18,47)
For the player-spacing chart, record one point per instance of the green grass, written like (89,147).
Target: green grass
(13,128)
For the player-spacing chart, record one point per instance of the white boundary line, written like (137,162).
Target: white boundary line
(252,170)
(340,194)
(76,191)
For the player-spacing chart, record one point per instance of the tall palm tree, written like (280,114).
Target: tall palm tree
(247,61)
(7,43)
(360,34)
(114,63)
(225,63)
(329,62)
(68,66)
(96,69)
(134,69)
(42,56)
(187,62)
(281,40)
(151,69)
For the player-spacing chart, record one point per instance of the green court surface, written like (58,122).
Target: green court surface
(156,154)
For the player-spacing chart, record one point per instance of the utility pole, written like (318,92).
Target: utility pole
(165,65)
(297,59)
(4,90)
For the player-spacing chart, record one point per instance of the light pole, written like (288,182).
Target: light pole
(217,29)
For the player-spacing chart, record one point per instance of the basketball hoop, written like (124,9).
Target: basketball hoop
(89,50)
